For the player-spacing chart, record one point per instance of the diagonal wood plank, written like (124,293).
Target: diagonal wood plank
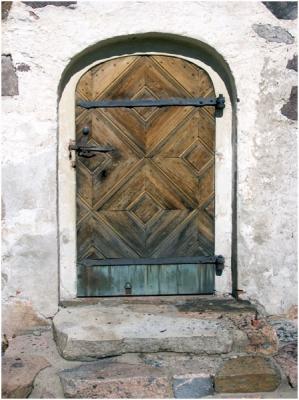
(154,195)
(187,75)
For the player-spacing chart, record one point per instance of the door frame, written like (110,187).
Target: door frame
(67,180)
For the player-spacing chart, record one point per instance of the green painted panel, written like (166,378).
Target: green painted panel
(146,279)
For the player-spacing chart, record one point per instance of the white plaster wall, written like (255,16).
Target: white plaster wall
(48,38)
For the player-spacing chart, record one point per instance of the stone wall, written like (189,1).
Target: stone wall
(40,39)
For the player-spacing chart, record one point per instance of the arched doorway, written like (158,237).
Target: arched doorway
(222,241)
(145,208)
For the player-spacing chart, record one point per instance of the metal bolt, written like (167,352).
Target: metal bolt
(85,130)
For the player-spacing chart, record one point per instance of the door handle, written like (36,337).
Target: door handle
(88,151)
(85,150)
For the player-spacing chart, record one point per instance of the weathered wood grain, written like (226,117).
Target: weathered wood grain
(153,196)
(146,279)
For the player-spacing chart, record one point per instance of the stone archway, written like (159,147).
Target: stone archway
(225,164)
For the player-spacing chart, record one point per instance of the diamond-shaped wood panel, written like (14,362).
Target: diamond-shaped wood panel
(153,196)
(145,208)
(198,156)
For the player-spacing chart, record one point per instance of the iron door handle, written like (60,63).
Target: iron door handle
(88,151)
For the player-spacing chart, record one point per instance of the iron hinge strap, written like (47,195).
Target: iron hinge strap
(217,260)
(218,103)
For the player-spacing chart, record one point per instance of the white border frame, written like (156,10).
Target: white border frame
(67,181)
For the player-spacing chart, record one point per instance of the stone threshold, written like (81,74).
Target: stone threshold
(195,302)
(89,329)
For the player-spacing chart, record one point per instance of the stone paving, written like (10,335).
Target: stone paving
(32,366)
(186,375)
(19,373)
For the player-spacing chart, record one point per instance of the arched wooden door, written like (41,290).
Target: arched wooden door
(146,209)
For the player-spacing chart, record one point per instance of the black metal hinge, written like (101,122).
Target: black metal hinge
(218,261)
(219,265)
(218,103)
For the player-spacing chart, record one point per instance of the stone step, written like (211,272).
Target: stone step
(169,376)
(107,379)
(246,375)
(197,326)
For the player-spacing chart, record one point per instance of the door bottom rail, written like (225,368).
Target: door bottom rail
(145,279)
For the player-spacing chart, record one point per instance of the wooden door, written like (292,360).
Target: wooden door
(153,196)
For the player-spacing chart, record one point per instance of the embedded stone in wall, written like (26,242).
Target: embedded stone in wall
(293,63)
(9,81)
(273,33)
(41,4)
(289,110)
(282,9)
(5,8)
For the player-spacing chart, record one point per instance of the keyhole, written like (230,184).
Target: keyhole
(104,173)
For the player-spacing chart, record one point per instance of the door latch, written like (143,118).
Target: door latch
(88,151)
(83,149)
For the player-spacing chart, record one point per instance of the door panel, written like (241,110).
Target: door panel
(147,279)
(153,196)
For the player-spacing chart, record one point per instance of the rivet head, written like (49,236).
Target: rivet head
(85,130)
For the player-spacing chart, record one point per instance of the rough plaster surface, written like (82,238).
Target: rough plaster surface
(49,38)
(19,317)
